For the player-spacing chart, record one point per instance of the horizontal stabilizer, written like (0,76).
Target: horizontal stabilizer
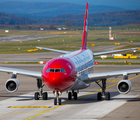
(114,51)
(54,50)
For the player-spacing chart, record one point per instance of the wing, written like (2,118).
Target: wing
(98,76)
(54,50)
(114,51)
(21,72)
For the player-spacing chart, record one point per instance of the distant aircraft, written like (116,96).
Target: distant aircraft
(71,72)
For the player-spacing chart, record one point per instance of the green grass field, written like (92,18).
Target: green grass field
(69,40)
(72,40)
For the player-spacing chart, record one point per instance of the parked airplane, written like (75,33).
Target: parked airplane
(71,72)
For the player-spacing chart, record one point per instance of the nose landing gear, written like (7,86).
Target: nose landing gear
(57,100)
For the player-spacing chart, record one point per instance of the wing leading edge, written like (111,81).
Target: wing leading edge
(21,72)
(98,76)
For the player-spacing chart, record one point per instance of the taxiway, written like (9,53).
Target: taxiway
(21,105)
(17,38)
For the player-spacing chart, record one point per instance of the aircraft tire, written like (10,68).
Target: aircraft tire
(99,96)
(36,95)
(45,96)
(107,96)
(55,101)
(59,101)
(75,95)
(69,96)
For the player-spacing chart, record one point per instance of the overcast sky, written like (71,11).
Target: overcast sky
(129,4)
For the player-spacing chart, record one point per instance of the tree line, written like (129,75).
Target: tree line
(95,19)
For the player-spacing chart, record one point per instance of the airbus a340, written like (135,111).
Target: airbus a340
(71,72)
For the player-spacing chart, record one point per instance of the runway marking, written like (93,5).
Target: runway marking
(29,107)
(74,100)
(22,112)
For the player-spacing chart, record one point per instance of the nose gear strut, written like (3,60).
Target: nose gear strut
(57,100)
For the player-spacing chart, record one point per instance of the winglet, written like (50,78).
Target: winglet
(84,42)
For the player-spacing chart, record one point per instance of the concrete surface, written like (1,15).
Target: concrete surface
(119,107)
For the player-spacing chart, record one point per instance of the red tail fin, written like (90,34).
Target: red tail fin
(84,42)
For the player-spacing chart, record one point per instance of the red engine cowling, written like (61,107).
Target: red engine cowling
(124,86)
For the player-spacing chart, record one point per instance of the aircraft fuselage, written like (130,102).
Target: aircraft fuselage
(64,72)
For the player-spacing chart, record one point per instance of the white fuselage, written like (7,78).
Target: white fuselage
(84,63)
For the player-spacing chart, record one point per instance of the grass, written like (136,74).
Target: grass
(38,32)
(62,43)
(72,40)
(2,35)
(67,41)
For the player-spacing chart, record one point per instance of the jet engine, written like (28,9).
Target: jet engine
(124,86)
(11,85)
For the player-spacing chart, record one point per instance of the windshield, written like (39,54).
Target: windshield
(56,70)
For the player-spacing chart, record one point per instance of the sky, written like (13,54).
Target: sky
(128,4)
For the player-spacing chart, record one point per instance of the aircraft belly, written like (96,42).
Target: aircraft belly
(79,85)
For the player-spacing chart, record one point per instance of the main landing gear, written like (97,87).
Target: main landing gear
(40,94)
(103,94)
(74,94)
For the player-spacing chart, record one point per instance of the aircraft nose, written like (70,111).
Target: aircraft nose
(59,73)
(59,81)
(55,77)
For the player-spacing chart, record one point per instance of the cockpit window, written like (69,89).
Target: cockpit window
(48,70)
(56,70)
(62,70)
(51,70)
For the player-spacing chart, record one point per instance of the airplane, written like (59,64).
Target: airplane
(71,72)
